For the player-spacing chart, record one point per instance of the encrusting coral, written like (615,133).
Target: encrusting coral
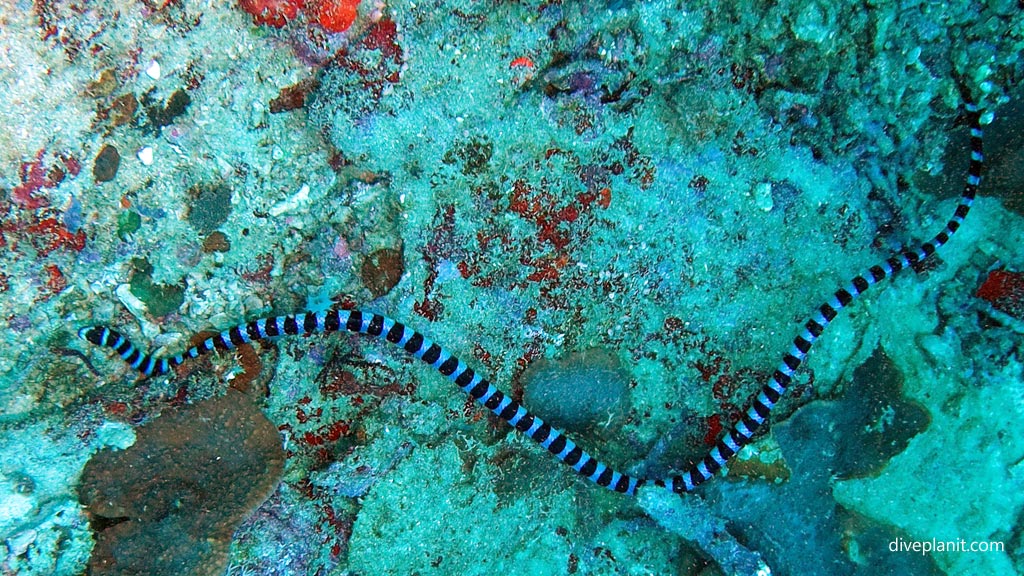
(171,502)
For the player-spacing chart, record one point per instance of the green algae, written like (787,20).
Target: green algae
(128,222)
(160,299)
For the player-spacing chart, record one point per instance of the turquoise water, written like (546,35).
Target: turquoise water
(648,198)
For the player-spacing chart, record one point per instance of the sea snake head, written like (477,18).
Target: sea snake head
(93,334)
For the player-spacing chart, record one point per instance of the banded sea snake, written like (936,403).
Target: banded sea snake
(552,439)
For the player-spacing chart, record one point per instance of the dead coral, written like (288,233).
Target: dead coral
(170,503)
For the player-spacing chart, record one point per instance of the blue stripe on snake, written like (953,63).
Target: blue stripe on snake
(552,439)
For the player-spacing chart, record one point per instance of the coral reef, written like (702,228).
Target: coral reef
(674,183)
(382,270)
(42,526)
(1006,155)
(274,13)
(159,299)
(335,15)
